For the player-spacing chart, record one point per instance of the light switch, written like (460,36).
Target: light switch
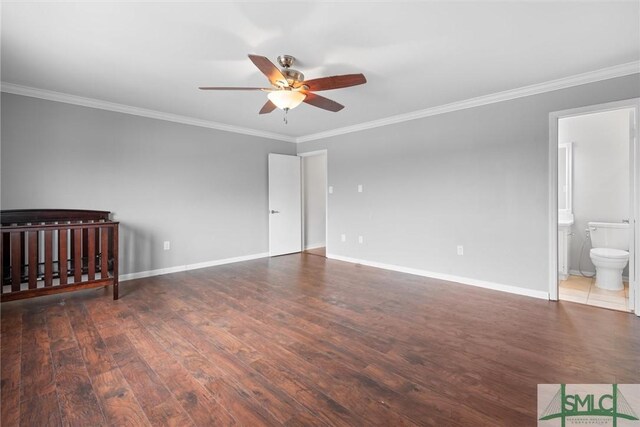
(343,237)
(331,189)
(359,188)
(360,239)
(460,250)
(167,245)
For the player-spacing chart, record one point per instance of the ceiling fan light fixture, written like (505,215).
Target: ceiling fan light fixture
(286,99)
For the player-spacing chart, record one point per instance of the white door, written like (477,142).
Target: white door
(285,205)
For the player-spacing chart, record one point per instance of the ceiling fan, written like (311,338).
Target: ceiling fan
(289,88)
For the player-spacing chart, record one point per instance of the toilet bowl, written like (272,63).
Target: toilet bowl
(610,254)
(609,265)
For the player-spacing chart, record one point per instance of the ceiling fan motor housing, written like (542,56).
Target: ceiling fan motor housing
(292,76)
(286,61)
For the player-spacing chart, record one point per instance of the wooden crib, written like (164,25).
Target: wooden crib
(47,251)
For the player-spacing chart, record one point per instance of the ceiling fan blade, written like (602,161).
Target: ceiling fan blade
(269,69)
(232,88)
(268,107)
(335,82)
(322,102)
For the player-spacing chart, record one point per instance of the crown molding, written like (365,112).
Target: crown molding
(143,112)
(563,83)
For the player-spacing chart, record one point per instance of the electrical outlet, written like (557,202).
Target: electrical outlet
(167,245)
(460,250)
(343,237)
(360,239)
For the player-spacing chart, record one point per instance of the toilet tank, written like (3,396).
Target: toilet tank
(609,235)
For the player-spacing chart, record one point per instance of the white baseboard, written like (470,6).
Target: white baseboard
(577,273)
(314,246)
(451,278)
(158,272)
(591,273)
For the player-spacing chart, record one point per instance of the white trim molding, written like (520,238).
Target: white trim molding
(135,111)
(313,153)
(563,83)
(589,274)
(448,277)
(187,267)
(535,89)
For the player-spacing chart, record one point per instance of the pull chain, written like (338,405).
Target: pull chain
(286,110)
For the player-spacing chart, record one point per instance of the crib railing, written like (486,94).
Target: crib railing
(51,251)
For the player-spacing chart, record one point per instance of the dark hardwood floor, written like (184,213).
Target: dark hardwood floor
(300,340)
(317,251)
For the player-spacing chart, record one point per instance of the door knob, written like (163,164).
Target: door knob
(274,212)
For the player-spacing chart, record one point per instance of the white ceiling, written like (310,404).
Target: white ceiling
(415,55)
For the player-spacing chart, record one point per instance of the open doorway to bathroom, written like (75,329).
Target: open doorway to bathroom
(314,202)
(596,188)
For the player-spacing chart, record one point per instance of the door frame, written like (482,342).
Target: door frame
(324,152)
(634,190)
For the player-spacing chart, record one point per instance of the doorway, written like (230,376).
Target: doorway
(594,206)
(314,202)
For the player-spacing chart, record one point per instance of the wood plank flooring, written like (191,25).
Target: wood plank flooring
(300,340)
(317,251)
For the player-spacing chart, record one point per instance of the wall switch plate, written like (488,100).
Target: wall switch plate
(460,250)
(343,237)
(331,189)
(360,239)
(359,188)
(167,245)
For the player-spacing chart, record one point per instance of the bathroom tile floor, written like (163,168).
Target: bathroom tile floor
(583,290)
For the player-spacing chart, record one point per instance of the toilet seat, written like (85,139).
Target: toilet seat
(609,253)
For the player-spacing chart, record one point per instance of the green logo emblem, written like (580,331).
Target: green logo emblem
(588,404)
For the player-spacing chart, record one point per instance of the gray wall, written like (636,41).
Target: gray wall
(475,177)
(202,189)
(600,173)
(315,199)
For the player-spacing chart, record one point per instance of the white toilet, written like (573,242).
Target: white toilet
(610,253)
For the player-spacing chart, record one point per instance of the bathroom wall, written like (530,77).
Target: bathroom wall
(315,206)
(600,174)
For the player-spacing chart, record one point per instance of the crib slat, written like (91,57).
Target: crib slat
(2,265)
(115,245)
(91,253)
(16,258)
(104,251)
(6,262)
(2,252)
(97,240)
(62,256)
(33,259)
(23,247)
(85,246)
(48,258)
(77,255)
